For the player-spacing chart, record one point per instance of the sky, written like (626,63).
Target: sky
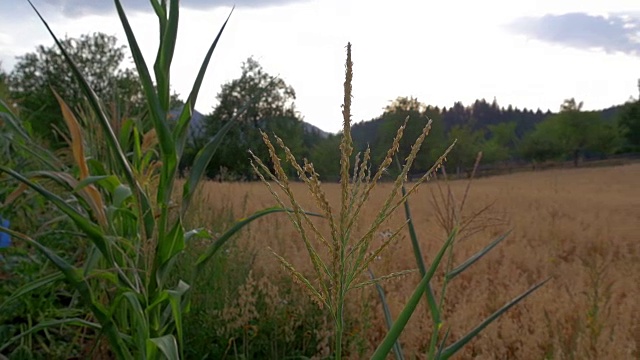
(527,53)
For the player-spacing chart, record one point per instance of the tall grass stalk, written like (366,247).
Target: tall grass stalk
(123,205)
(449,217)
(348,255)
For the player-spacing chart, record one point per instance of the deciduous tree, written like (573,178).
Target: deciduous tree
(257,101)
(99,58)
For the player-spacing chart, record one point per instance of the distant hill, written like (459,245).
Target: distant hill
(198,125)
(312,129)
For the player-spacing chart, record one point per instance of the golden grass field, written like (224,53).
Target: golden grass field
(581,227)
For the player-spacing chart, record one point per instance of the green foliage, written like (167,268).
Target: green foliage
(324,156)
(543,143)
(629,123)
(274,112)
(571,134)
(470,142)
(504,140)
(4,87)
(419,115)
(97,56)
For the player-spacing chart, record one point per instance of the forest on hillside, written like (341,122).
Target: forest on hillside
(259,103)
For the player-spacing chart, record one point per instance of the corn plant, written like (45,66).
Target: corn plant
(125,205)
(350,255)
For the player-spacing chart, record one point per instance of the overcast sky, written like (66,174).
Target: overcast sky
(528,53)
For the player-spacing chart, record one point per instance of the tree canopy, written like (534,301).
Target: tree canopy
(101,61)
(257,102)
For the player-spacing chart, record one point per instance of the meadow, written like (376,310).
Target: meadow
(578,226)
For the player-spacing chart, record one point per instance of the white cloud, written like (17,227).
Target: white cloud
(440,52)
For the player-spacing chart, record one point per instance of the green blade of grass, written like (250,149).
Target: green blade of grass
(49,324)
(398,326)
(453,348)
(442,342)
(185,116)
(431,300)
(13,121)
(387,316)
(462,267)
(31,286)
(82,286)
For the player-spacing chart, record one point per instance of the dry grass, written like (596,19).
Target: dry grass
(580,227)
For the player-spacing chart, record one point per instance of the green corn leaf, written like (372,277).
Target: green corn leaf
(462,267)
(159,119)
(157,115)
(120,194)
(182,125)
(106,126)
(453,348)
(93,101)
(168,346)
(387,315)
(159,8)
(137,149)
(140,319)
(109,182)
(168,35)
(168,248)
(173,243)
(398,326)
(89,228)
(175,298)
(237,226)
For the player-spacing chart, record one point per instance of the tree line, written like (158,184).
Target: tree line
(263,104)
